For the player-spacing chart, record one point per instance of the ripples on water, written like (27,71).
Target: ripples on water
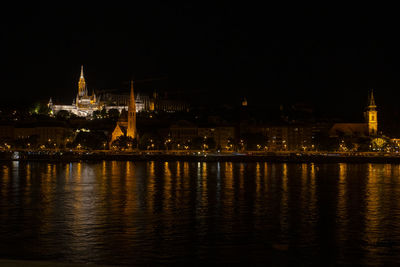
(189,212)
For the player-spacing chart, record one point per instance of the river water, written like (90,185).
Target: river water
(127,213)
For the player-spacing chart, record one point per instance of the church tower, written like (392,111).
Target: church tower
(131,130)
(372,115)
(82,91)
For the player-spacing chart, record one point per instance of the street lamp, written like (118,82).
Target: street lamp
(241,144)
(167,142)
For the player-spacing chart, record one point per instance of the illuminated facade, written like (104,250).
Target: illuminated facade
(84,104)
(372,116)
(126,125)
(131,130)
(84,101)
(367,129)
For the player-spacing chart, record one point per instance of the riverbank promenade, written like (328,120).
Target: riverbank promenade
(178,155)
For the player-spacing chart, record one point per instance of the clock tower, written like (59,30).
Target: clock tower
(372,116)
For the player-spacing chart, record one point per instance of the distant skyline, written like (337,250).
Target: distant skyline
(328,57)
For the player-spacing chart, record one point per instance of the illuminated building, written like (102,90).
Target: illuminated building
(372,116)
(83,105)
(244,102)
(131,130)
(126,125)
(144,102)
(369,128)
(83,100)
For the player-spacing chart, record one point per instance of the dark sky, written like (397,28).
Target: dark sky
(327,56)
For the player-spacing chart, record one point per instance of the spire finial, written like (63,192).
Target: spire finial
(131,130)
(132,97)
(371,99)
(81,71)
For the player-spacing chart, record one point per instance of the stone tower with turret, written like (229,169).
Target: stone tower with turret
(82,90)
(371,115)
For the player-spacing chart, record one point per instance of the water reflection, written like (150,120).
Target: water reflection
(342,211)
(5,179)
(258,178)
(284,204)
(168,212)
(229,174)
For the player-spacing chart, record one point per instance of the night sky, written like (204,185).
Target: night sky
(328,57)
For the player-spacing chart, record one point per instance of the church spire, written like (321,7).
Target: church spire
(132,103)
(82,84)
(372,115)
(131,131)
(371,103)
